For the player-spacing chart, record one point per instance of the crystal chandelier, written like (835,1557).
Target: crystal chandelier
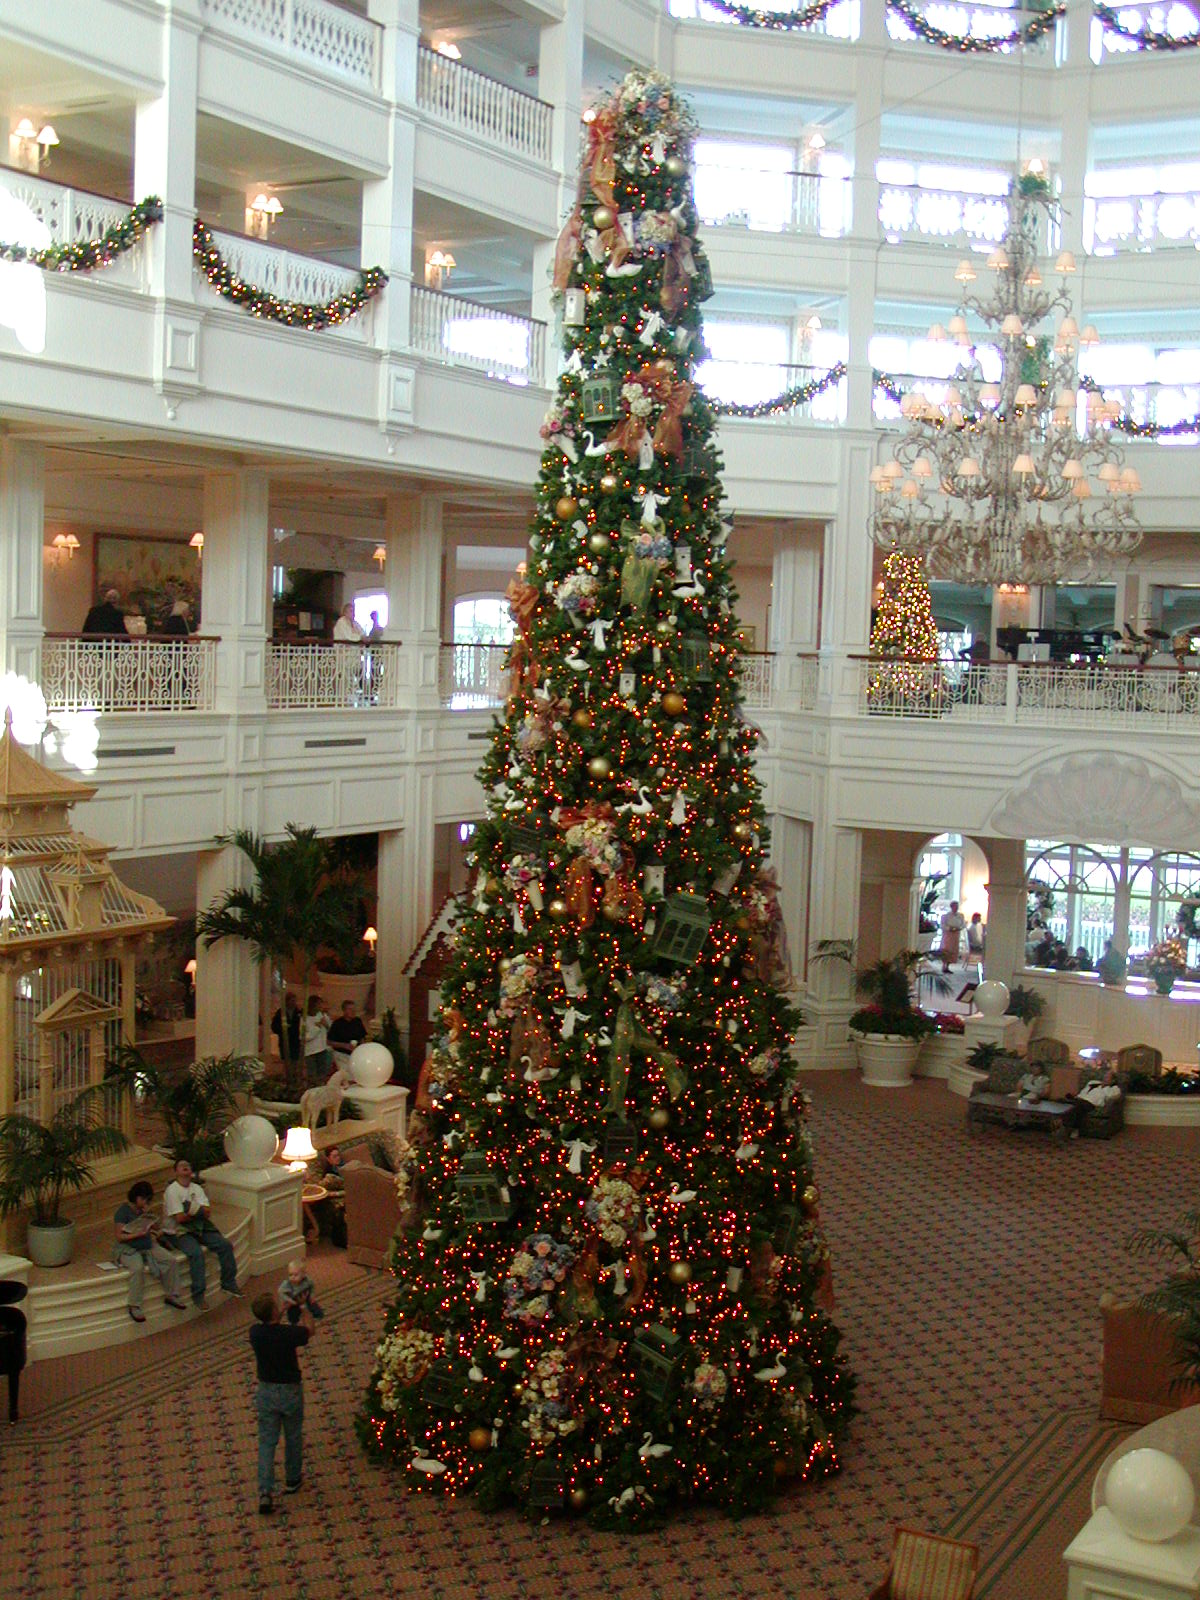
(997,484)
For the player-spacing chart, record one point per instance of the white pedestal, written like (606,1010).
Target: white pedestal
(1103,1562)
(271,1195)
(389,1104)
(1008,1032)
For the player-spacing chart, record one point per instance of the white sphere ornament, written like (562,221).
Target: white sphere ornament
(371,1065)
(250,1143)
(1150,1494)
(991,998)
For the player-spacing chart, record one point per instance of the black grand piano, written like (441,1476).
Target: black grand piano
(12,1339)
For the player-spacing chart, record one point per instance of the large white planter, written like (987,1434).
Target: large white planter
(334,987)
(886,1060)
(50,1247)
(940,1053)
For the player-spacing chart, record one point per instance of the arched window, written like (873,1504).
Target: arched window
(484,619)
(1072,895)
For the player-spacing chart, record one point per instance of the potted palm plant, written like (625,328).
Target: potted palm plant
(40,1162)
(888,1030)
(197,1106)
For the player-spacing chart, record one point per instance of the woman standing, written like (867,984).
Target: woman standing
(953,924)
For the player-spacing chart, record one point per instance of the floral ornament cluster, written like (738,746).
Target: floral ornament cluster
(522,871)
(595,840)
(547,1412)
(638,399)
(650,541)
(647,98)
(577,594)
(539,1267)
(557,425)
(765,1065)
(614,1209)
(404,1357)
(443,1068)
(517,984)
(710,1385)
(667,994)
(405,1158)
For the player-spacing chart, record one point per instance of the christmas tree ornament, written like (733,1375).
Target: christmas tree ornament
(599,542)
(609,483)
(558,910)
(742,831)
(566,507)
(574,307)
(659,1118)
(673,703)
(578,1498)
(676,166)
(480,1438)
(680,1272)
(603,218)
(581,717)
(599,767)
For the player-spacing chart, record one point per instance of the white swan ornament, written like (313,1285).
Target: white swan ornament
(427,1464)
(649,1451)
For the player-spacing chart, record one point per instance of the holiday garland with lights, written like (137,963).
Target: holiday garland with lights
(269,307)
(905,632)
(1147,38)
(613,1295)
(88,254)
(749,16)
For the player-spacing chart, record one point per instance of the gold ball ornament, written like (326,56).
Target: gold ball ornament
(665,365)
(582,718)
(664,627)
(659,1118)
(609,483)
(673,703)
(810,1197)
(680,1272)
(566,507)
(480,1438)
(578,1499)
(492,886)
(742,831)
(598,542)
(676,166)
(603,218)
(599,767)
(558,910)
(505,966)
(742,924)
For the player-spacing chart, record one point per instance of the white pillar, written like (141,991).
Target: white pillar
(22,531)
(405,894)
(413,534)
(833,902)
(164,163)
(387,209)
(795,604)
(1008,898)
(235,585)
(846,602)
(227,976)
(560,84)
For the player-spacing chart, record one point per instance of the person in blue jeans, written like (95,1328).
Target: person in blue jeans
(187,1226)
(279,1398)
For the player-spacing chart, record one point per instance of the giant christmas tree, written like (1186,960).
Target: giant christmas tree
(612,1293)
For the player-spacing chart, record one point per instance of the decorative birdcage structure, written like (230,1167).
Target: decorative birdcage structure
(683,930)
(659,1354)
(70,932)
(999,482)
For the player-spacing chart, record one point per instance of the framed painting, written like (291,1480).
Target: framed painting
(149,574)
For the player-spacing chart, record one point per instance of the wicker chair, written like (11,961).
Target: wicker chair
(1141,1058)
(927,1567)
(1049,1053)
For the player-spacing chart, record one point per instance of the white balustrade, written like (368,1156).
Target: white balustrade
(1113,223)
(315,33)
(331,677)
(58,215)
(978,19)
(1154,16)
(800,211)
(480,105)
(839,22)
(806,689)
(944,216)
(115,674)
(756,678)
(1054,694)
(291,276)
(465,334)
(472,677)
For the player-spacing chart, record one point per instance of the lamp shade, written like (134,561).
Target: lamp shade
(968,467)
(1012,327)
(1065,263)
(298,1146)
(964,272)
(1026,395)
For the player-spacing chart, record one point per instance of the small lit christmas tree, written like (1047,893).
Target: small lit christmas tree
(615,1291)
(905,631)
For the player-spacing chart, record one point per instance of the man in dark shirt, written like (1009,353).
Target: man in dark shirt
(346,1032)
(292,1007)
(106,616)
(279,1399)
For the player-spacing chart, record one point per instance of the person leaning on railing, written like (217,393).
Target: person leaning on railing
(106,616)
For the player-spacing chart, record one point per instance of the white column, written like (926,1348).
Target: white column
(405,895)
(1008,897)
(413,535)
(560,84)
(164,163)
(833,902)
(795,604)
(227,976)
(22,531)
(387,209)
(846,603)
(235,585)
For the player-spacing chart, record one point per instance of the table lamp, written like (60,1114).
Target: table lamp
(298,1149)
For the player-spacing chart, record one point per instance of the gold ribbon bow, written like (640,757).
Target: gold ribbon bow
(630,1034)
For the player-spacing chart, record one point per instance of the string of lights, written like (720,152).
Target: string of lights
(87,254)
(270,307)
(788,400)
(1147,38)
(795,21)
(776,21)
(1146,430)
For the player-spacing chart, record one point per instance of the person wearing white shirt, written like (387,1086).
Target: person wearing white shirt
(346,630)
(318,1057)
(187,1226)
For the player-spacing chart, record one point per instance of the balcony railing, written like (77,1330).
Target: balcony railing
(756,669)
(291,276)
(124,674)
(331,677)
(69,216)
(981,19)
(803,206)
(749,382)
(1141,222)
(1037,694)
(472,677)
(318,35)
(947,216)
(840,22)
(466,334)
(491,110)
(1154,16)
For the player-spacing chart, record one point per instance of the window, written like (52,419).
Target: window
(747,183)
(367,606)
(486,620)
(492,342)
(1077,892)
(942,857)
(748,361)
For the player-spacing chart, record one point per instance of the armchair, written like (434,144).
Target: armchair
(927,1567)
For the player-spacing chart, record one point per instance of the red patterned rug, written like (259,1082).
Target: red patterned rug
(968,1272)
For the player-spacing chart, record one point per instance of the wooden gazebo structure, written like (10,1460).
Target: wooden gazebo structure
(69,935)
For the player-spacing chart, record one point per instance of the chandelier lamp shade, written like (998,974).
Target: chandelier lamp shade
(1003,481)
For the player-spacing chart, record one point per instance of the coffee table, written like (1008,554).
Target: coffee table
(1057,1117)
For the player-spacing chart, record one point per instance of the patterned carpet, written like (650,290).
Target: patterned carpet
(967,1272)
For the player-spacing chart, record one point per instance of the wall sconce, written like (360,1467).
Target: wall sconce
(447,48)
(261,213)
(28,148)
(190,968)
(380,555)
(298,1149)
(369,938)
(438,265)
(197,544)
(65,545)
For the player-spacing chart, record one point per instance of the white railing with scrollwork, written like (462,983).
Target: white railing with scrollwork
(945,216)
(325,37)
(70,216)
(841,21)
(1155,16)
(980,19)
(290,276)
(472,677)
(809,682)
(460,332)
(331,677)
(756,679)
(1156,221)
(1047,694)
(115,674)
(477,104)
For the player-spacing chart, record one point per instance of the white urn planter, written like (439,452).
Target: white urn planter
(886,1060)
(334,987)
(50,1245)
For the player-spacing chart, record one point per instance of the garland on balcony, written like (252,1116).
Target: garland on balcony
(788,400)
(269,307)
(1146,430)
(1146,37)
(793,21)
(89,254)
(779,21)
